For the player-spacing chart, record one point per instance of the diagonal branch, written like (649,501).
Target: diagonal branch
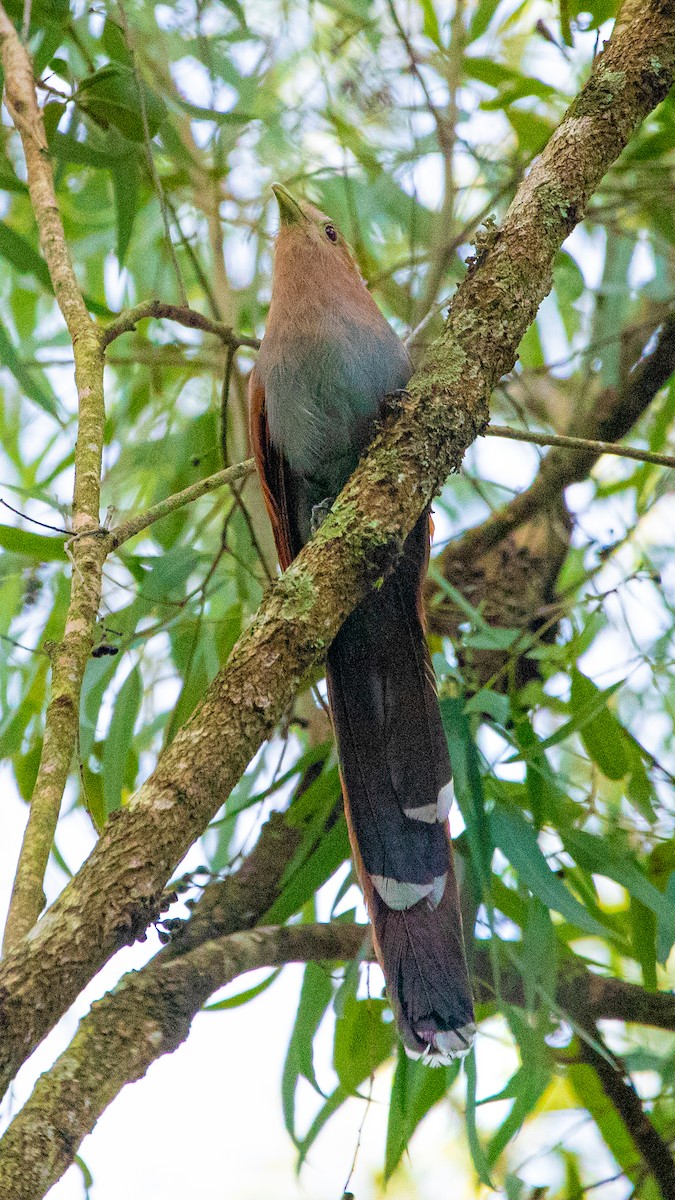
(162,999)
(134,525)
(117,890)
(182,314)
(585,445)
(147,1015)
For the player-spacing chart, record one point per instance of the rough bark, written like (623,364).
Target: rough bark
(148,1014)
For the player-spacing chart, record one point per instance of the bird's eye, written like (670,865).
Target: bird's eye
(331,233)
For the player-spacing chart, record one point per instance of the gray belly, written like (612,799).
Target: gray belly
(322,402)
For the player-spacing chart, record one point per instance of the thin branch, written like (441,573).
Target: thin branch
(579,443)
(70,655)
(118,889)
(613,415)
(134,525)
(128,320)
(42,524)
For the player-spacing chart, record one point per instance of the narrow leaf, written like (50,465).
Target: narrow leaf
(119,738)
(517,841)
(415,1089)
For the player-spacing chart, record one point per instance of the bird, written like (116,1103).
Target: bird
(326,362)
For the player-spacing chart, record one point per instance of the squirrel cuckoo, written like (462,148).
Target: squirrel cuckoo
(326,363)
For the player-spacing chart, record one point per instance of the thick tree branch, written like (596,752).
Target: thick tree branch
(87,555)
(117,890)
(147,1015)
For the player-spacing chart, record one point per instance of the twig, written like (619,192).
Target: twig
(194,259)
(147,140)
(182,314)
(134,525)
(579,443)
(42,524)
(614,414)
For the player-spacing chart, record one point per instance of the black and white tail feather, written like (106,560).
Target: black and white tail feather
(398,792)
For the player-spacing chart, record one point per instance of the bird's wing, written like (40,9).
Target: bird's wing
(274,474)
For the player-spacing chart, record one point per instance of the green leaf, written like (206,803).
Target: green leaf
(332,850)
(601,734)
(643,937)
(42,11)
(478,1154)
(243,997)
(539,960)
(68,149)
(532,130)
(565,27)
(529,1082)
(640,790)
(126,186)
(333,1103)
(592,1096)
(119,738)
(111,96)
(430,24)
(363,1039)
(590,710)
(664,928)
(18,250)
(315,996)
(482,15)
(496,75)
(468,788)
(518,843)
(528,1085)
(25,258)
(112,40)
(37,546)
(415,1089)
(40,393)
(598,856)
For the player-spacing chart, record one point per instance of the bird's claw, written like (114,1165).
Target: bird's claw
(320,512)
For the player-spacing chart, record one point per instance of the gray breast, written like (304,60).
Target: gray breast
(322,396)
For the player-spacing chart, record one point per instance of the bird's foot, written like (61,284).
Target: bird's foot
(320,512)
(394,402)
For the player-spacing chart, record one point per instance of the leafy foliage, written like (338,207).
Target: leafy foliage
(560,717)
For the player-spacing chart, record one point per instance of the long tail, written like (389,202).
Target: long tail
(397,785)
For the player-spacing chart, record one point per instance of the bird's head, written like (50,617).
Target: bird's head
(310,241)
